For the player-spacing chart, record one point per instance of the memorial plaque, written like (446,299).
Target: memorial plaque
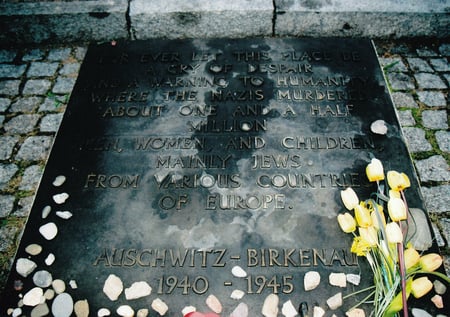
(209,168)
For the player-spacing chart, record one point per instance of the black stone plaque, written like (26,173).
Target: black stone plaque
(185,160)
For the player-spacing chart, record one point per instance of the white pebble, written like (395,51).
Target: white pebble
(125,311)
(237,294)
(59,180)
(42,279)
(17,312)
(334,302)
(288,309)
(318,311)
(138,290)
(240,311)
(64,214)
(81,308)
(33,249)
(46,211)
(49,259)
(437,301)
(439,287)
(49,230)
(25,266)
(356,312)
(34,297)
(214,304)
(60,198)
(40,310)
(59,286)
(338,279)
(416,312)
(188,309)
(354,279)
(379,127)
(62,305)
(143,312)
(73,284)
(270,306)
(311,281)
(49,294)
(102,312)
(113,287)
(238,271)
(160,307)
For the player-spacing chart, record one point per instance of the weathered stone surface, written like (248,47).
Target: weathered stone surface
(35,148)
(21,124)
(6,205)
(4,104)
(443,140)
(432,98)
(42,69)
(406,118)
(11,71)
(63,85)
(51,122)
(434,168)
(435,119)
(416,140)
(7,171)
(7,143)
(437,198)
(31,177)
(25,104)
(37,86)
(419,65)
(400,81)
(393,65)
(9,87)
(36,54)
(429,81)
(440,64)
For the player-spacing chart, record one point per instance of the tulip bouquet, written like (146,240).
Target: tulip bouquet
(381,239)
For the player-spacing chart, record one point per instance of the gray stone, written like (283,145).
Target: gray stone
(42,278)
(426,52)
(21,124)
(443,140)
(439,240)
(25,104)
(440,64)
(35,148)
(25,266)
(62,305)
(429,81)
(7,56)
(445,223)
(7,144)
(59,54)
(37,86)
(12,71)
(406,118)
(70,69)
(51,122)
(9,87)
(416,140)
(7,234)
(435,119)
(432,98)
(6,206)
(42,69)
(7,171)
(444,49)
(34,55)
(400,81)
(419,232)
(31,177)
(51,104)
(393,65)
(64,85)
(40,310)
(419,65)
(80,52)
(2,119)
(199,18)
(434,168)
(447,78)
(4,104)
(437,198)
(24,207)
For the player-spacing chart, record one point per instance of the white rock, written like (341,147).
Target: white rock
(81,308)
(270,306)
(40,310)
(240,311)
(188,309)
(9,311)
(33,249)
(64,214)
(437,301)
(16,312)
(59,286)
(311,280)
(49,230)
(73,284)
(33,297)
(59,180)
(25,267)
(49,294)
(214,304)
(334,302)
(60,198)
(125,311)
(42,279)
(237,294)
(318,311)
(439,287)
(113,287)
(160,307)
(238,271)
(338,279)
(379,127)
(143,312)
(62,305)
(288,309)
(354,279)
(416,312)
(102,312)
(356,312)
(46,211)
(138,290)
(49,259)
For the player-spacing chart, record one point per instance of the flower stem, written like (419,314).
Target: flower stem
(401,262)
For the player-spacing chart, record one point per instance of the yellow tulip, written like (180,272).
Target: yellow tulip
(369,234)
(359,246)
(374,170)
(346,222)
(421,286)
(396,209)
(430,262)
(398,181)
(394,194)
(411,257)
(349,198)
(378,216)
(394,233)
(362,216)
